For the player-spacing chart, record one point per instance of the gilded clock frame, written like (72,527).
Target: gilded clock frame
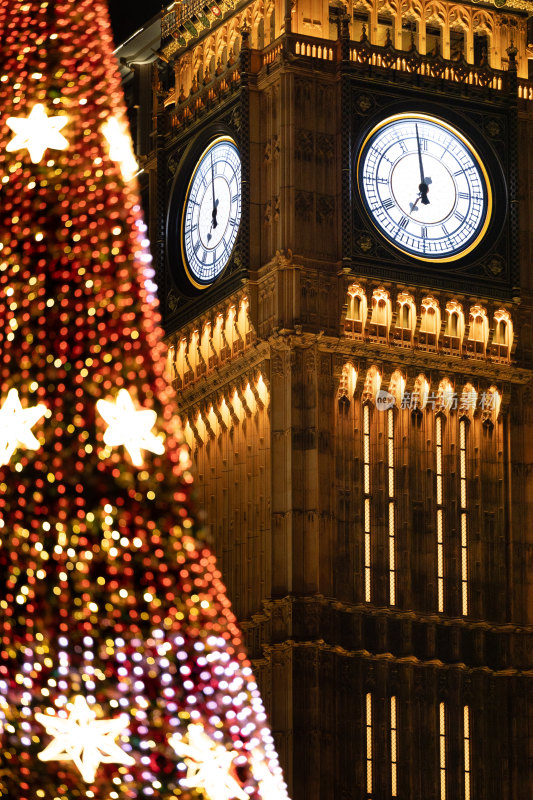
(177,268)
(471,149)
(211,143)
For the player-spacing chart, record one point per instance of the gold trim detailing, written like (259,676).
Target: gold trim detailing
(182,222)
(475,156)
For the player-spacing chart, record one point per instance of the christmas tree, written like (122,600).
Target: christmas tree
(122,673)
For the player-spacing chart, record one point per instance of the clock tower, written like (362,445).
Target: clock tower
(341,214)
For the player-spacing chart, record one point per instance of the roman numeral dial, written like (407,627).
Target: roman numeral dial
(424,187)
(212,212)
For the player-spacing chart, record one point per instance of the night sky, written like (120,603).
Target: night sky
(128,16)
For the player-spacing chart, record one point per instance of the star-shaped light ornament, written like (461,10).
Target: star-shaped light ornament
(16,424)
(120,149)
(83,739)
(130,426)
(271,786)
(37,132)
(208,765)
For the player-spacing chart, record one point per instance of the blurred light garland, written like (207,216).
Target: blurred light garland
(108,593)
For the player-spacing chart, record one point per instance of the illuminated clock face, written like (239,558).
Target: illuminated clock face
(424,187)
(212,212)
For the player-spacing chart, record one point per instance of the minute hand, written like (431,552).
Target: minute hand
(423,188)
(214,213)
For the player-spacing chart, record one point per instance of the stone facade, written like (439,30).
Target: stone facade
(362,431)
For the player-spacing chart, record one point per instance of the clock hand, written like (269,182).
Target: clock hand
(215,203)
(423,187)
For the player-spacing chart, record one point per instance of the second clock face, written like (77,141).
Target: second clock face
(424,187)
(212,212)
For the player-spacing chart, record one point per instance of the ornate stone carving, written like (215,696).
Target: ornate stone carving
(235,119)
(172,300)
(304,144)
(365,243)
(272,147)
(325,208)
(303,91)
(494,128)
(325,147)
(304,205)
(284,257)
(495,265)
(364,103)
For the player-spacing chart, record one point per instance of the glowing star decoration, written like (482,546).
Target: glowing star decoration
(36,133)
(208,765)
(120,150)
(83,739)
(16,424)
(271,787)
(130,426)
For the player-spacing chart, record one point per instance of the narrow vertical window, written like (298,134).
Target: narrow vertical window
(392,541)
(366,487)
(440,517)
(466,743)
(442,746)
(464,518)
(369,745)
(393,748)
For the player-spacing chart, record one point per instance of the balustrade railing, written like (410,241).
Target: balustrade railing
(364,56)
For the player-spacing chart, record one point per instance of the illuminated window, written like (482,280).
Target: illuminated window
(442,750)
(503,334)
(503,327)
(419,397)
(430,312)
(409,34)
(355,311)
(500,332)
(366,489)
(381,311)
(464,518)
(466,747)
(457,44)
(406,318)
(347,383)
(429,321)
(369,762)
(479,330)
(433,38)
(394,749)
(453,324)
(440,516)
(392,542)
(476,329)
(360,26)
